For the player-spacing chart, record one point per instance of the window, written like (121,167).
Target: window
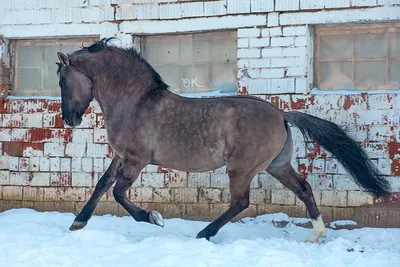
(34,72)
(357,57)
(194,63)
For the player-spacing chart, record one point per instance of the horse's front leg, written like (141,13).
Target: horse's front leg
(105,182)
(127,175)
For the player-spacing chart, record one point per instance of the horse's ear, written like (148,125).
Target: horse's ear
(63,59)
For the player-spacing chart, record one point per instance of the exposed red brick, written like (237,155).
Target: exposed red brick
(58,123)
(393,199)
(314,150)
(37,105)
(302,103)
(278,101)
(34,146)
(40,134)
(162,169)
(14,149)
(111,152)
(351,100)
(304,170)
(394,149)
(16,106)
(62,135)
(54,105)
(242,90)
(62,179)
(396,167)
(3,106)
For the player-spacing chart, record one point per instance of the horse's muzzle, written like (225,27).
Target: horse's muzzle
(73,120)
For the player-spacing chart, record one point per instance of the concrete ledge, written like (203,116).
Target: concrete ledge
(367,216)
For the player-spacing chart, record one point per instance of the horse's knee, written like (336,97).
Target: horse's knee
(118,195)
(241,204)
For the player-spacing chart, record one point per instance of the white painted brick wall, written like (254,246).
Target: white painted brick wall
(144,12)
(276,31)
(262,5)
(259,42)
(243,43)
(311,4)
(241,33)
(272,52)
(363,2)
(337,3)
(238,6)
(282,41)
(215,8)
(285,5)
(124,12)
(273,19)
(193,9)
(340,16)
(272,73)
(172,11)
(249,53)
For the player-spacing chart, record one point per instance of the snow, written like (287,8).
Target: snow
(31,238)
(341,223)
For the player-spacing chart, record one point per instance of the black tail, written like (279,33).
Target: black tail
(347,151)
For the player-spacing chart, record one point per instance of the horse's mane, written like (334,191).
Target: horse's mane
(129,54)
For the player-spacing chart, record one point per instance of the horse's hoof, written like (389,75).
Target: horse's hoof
(203,234)
(314,239)
(156,218)
(77,226)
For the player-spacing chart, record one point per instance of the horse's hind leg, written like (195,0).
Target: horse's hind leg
(105,182)
(126,177)
(292,180)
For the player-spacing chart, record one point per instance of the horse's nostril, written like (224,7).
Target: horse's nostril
(65,121)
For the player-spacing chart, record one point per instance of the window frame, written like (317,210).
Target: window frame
(15,44)
(140,40)
(353,30)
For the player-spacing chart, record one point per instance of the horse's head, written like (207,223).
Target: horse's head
(76,91)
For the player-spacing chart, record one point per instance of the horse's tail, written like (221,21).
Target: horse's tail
(347,151)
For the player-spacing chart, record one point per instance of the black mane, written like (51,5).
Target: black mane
(129,53)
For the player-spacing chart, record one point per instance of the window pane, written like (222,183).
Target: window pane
(223,50)
(224,78)
(29,78)
(205,62)
(171,75)
(336,47)
(395,44)
(336,75)
(50,78)
(50,53)
(371,45)
(370,74)
(201,49)
(30,56)
(195,79)
(395,74)
(35,68)
(168,54)
(186,53)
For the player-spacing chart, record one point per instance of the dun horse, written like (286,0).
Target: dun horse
(148,124)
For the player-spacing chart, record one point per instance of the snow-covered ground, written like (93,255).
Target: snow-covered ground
(30,238)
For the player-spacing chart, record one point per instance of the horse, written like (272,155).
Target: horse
(146,123)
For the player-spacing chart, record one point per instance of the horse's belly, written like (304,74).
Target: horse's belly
(193,162)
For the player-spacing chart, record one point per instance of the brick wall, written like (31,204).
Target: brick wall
(47,166)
